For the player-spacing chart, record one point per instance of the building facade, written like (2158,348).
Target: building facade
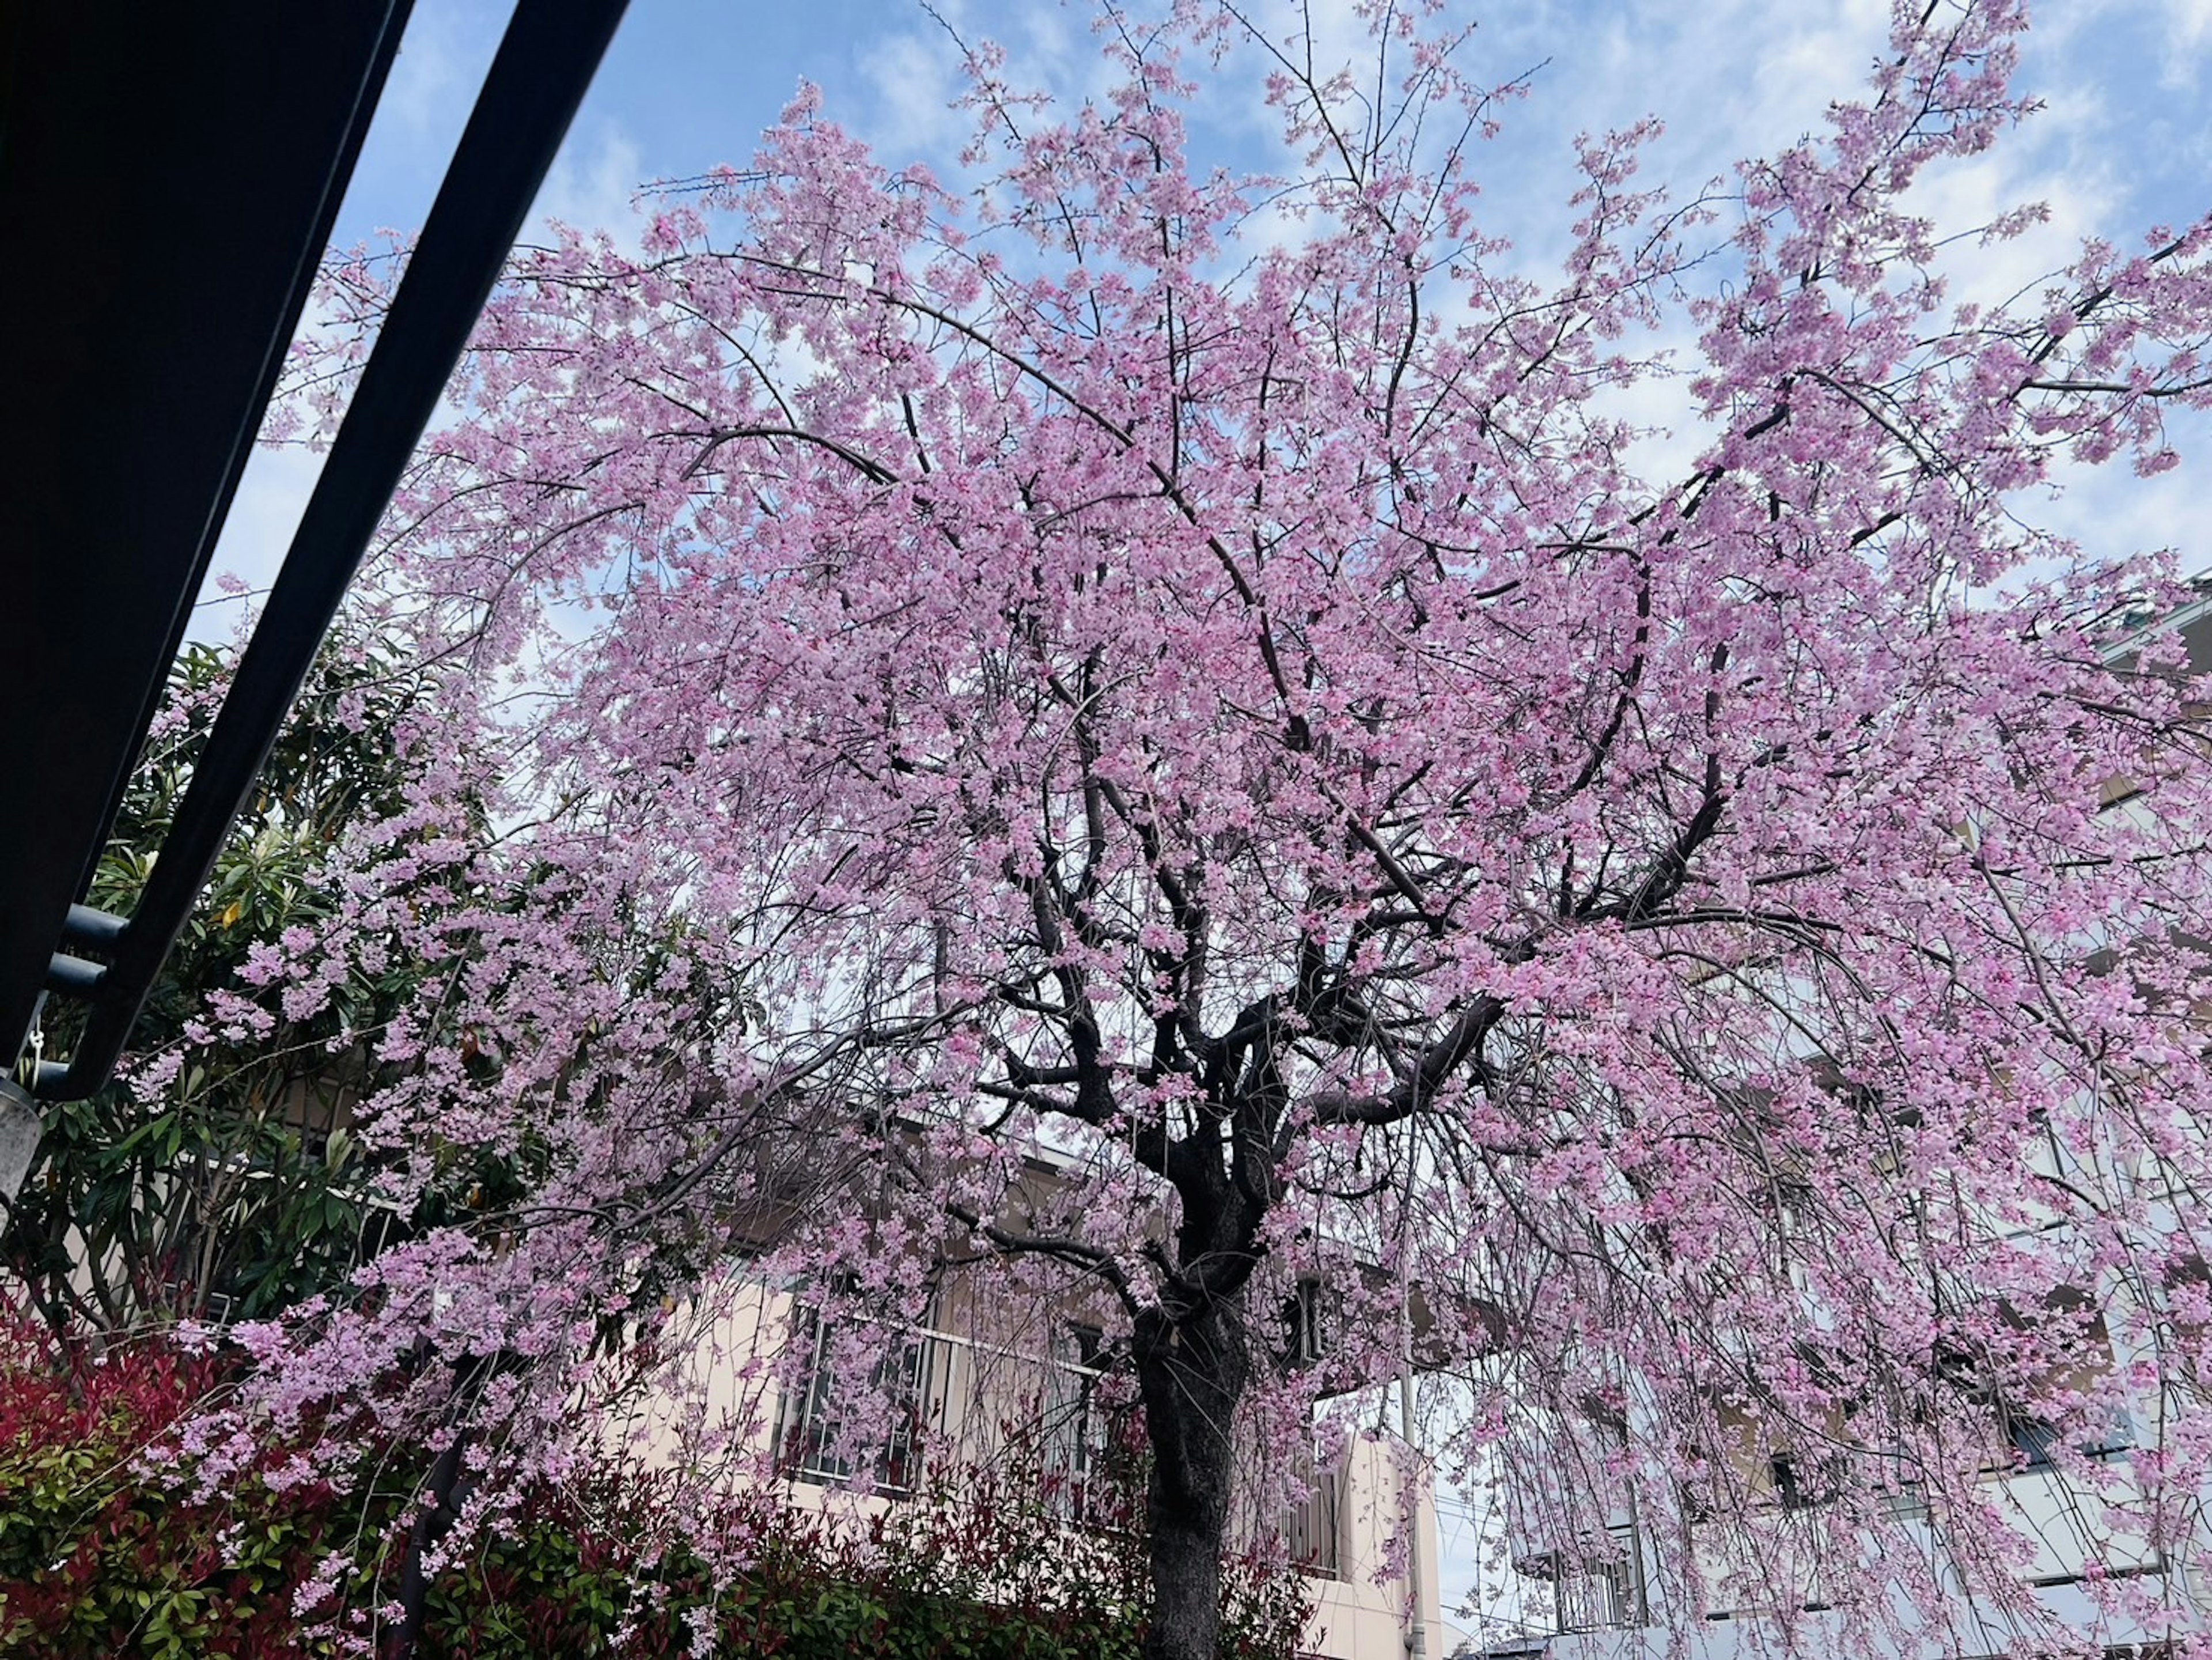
(1026,1396)
(2108,1551)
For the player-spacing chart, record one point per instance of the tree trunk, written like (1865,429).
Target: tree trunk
(445,1492)
(1192,1373)
(432,1520)
(21,1123)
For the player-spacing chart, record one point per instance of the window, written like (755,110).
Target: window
(1089,1476)
(1799,1485)
(1604,1594)
(814,1435)
(2116,1436)
(1310,1532)
(1308,1323)
(2034,1440)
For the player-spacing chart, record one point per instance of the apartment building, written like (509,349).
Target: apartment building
(979,1384)
(2080,1513)
(1756,1582)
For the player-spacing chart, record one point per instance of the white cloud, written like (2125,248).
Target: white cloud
(2188,39)
(593,184)
(2177,34)
(2111,512)
(430,77)
(913,79)
(443,57)
(273,493)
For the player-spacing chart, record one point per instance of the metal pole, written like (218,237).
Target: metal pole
(1417,1629)
(545,62)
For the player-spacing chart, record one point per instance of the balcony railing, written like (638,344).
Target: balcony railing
(1310,1532)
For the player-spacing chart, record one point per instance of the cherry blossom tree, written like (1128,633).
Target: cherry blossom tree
(1188,672)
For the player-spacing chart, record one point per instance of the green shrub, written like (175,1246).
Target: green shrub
(101,1554)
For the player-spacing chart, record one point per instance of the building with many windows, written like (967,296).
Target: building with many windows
(2106,1550)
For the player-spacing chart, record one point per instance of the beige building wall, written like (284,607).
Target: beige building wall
(989,1390)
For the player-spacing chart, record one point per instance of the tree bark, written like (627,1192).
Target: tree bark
(1192,1371)
(432,1521)
(21,1123)
(444,1494)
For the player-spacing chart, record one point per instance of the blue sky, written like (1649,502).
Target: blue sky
(2126,141)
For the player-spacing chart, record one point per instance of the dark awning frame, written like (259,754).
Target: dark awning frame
(109,600)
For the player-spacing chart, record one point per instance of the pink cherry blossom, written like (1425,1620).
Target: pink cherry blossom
(1181,674)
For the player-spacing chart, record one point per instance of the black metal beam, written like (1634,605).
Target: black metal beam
(168,178)
(544,65)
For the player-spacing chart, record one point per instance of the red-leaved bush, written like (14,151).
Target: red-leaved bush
(107,1546)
